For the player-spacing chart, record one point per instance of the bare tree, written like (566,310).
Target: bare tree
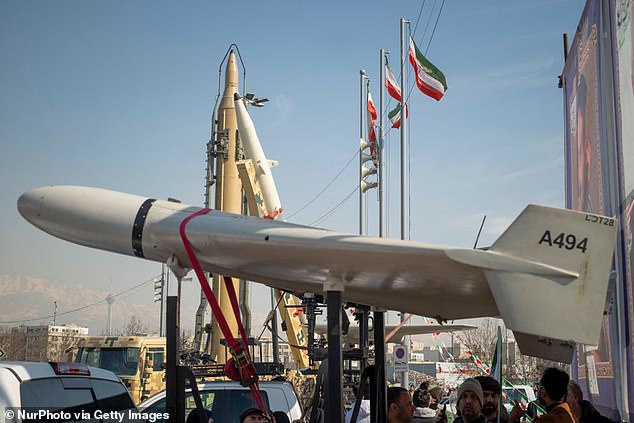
(482,340)
(134,326)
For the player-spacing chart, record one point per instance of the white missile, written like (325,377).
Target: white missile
(552,260)
(253,150)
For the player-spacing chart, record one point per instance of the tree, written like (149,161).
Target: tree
(134,326)
(482,340)
(517,368)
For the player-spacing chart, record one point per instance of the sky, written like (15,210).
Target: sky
(119,95)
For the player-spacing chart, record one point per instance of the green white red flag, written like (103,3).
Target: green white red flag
(371,128)
(391,83)
(429,79)
(496,364)
(395,116)
(371,121)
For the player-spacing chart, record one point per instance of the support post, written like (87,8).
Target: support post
(379,415)
(275,342)
(334,394)
(364,336)
(175,387)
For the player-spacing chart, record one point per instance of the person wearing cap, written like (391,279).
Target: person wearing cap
(435,395)
(491,392)
(553,388)
(252,415)
(400,408)
(469,403)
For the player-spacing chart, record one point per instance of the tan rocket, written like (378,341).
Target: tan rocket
(228,191)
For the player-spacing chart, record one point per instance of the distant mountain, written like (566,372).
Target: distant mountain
(25,298)
(32,299)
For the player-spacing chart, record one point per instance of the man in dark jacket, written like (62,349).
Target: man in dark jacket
(553,387)
(583,411)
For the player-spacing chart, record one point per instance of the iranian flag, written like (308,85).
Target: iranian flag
(429,79)
(391,83)
(395,116)
(371,121)
(496,365)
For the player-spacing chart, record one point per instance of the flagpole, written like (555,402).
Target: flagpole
(362,112)
(381,148)
(404,183)
(404,175)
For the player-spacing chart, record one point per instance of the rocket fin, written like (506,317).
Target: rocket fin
(579,246)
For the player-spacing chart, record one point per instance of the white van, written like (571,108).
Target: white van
(227,399)
(32,391)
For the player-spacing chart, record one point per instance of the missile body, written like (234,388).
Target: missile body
(228,192)
(287,256)
(229,188)
(253,150)
(524,270)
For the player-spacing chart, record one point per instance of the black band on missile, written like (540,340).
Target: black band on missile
(137,229)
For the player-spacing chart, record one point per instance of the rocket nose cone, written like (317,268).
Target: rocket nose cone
(30,203)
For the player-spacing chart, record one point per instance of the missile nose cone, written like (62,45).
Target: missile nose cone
(231,73)
(83,215)
(30,203)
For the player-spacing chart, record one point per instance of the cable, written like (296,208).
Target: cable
(331,211)
(270,316)
(326,187)
(418,18)
(428,20)
(435,25)
(80,308)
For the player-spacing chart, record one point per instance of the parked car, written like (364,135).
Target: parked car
(57,389)
(227,399)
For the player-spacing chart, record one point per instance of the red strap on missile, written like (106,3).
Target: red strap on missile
(239,351)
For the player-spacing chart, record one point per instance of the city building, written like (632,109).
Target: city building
(41,342)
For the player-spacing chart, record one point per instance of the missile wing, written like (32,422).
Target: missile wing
(352,337)
(546,276)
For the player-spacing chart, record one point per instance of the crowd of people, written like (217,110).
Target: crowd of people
(478,401)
